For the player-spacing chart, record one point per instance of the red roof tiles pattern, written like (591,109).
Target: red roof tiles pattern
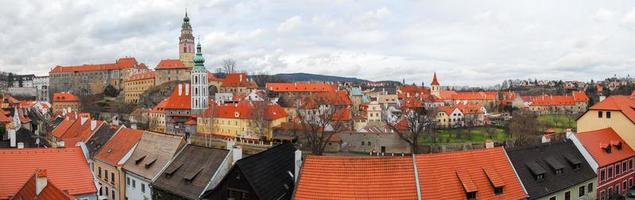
(142,76)
(66,166)
(122,63)
(447,175)
(342,177)
(122,142)
(64,97)
(28,191)
(625,104)
(593,142)
(171,64)
(237,80)
(181,98)
(300,87)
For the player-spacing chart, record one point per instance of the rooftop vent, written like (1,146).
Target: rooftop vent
(555,165)
(573,161)
(606,147)
(617,144)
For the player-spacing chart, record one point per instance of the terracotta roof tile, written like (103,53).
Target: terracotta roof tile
(448,175)
(64,97)
(171,64)
(122,63)
(122,142)
(300,87)
(181,98)
(625,104)
(593,142)
(343,177)
(67,167)
(142,76)
(28,191)
(237,80)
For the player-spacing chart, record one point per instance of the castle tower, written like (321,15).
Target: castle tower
(434,86)
(200,95)
(186,43)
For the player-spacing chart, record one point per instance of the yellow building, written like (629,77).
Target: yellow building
(613,112)
(156,118)
(62,100)
(136,85)
(241,120)
(109,160)
(171,70)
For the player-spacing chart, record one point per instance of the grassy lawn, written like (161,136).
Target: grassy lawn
(558,122)
(477,134)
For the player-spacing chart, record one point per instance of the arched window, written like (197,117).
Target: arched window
(195,79)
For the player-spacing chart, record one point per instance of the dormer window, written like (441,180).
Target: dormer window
(470,195)
(498,190)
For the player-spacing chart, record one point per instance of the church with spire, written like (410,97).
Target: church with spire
(200,95)
(186,43)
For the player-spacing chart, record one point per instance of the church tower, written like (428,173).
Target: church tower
(434,86)
(200,95)
(186,43)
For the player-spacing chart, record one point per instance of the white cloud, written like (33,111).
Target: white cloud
(629,19)
(290,24)
(603,15)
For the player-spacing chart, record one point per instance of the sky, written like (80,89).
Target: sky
(465,42)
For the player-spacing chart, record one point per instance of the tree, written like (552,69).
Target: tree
(525,127)
(318,122)
(111,91)
(258,116)
(229,65)
(262,79)
(413,125)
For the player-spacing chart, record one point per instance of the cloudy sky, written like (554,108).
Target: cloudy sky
(465,42)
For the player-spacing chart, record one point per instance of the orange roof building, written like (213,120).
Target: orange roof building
(300,87)
(121,143)
(111,157)
(121,63)
(66,167)
(345,177)
(31,189)
(171,70)
(485,173)
(237,83)
(170,64)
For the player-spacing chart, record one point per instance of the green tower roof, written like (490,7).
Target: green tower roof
(198,58)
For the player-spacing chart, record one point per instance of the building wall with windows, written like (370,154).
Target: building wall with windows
(137,187)
(579,191)
(593,120)
(167,75)
(109,179)
(615,178)
(136,85)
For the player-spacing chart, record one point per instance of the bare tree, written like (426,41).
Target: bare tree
(229,65)
(258,116)
(318,122)
(413,125)
(525,127)
(262,79)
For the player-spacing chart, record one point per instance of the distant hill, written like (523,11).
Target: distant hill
(316,77)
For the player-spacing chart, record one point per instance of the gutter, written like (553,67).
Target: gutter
(416,172)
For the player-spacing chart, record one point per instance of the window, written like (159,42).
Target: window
(567,195)
(602,175)
(470,195)
(106,175)
(581,191)
(99,175)
(610,172)
(602,195)
(599,114)
(624,166)
(617,169)
(134,184)
(143,188)
(552,198)
(113,194)
(128,180)
(630,182)
(498,190)
(112,177)
(608,115)
(624,185)
(630,164)
(590,188)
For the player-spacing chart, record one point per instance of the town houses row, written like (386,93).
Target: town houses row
(106,160)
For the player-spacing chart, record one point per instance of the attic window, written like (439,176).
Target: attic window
(150,162)
(109,150)
(573,161)
(606,148)
(138,160)
(171,171)
(470,195)
(192,175)
(536,170)
(495,180)
(617,144)
(468,185)
(555,165)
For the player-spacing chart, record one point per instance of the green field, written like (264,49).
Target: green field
(461,135)
(558,122)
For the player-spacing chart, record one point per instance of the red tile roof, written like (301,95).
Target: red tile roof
(142,76)
(343,177)
(625,104)
(407,91)
(9,99)
(211,77)
(242,110)
(122,142)
(122,63)
(237,80)
(558,100)
(412,103)
(449,175)
(343,114)
(595,141)
(181,98)
(66,166)
(300,87)
(50,191)
(4,118)
(446,109)
(474,96)
(470,108)
(171,64)
(64,97)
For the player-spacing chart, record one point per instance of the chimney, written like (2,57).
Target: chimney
(93,124)
(84,118)
(489,144)
(297,163)
(241,78)
(20,145)
(237,154)
(60,144)
(40,181)
(187,89)
(180,88)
